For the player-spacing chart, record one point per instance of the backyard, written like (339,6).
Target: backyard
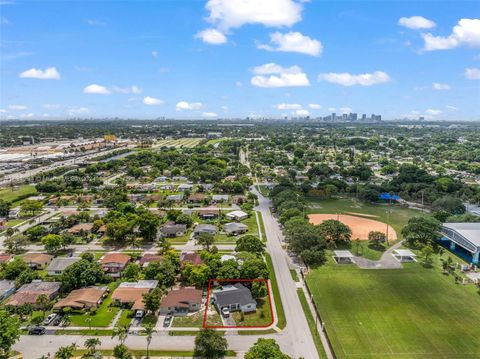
(400,313)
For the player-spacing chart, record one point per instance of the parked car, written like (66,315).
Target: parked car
(167,321)
(139,313)
(225,312)
(49,319)
(57,320)
(36,330)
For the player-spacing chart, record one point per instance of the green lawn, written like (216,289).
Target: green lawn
(399,215)
(251,222)
(125,318)
(12,196)
(400,313)
(294,274)
(282,322)
(262,317)
(262,226)
(189,321)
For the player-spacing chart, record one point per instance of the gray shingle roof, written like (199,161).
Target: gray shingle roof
(237,293)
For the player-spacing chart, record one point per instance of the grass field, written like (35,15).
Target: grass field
(399,216)
(282,321)
(12,196)
(409,313)
(179,143)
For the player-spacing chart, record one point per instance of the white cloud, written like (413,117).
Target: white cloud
(75,111)
(155,54)
(416,22)
(184,105)
(472,73)
(132,89)
(288,106)
(278,76)
(17,107)
(51,106)
(2,110)
(433,112)
(50,73)
(451,108)
(224,108)
(314,106)
(345,109)
(466,32)
(96,89)
(439,87)
(301,112)
(331,109)
(152,101)
(211,36)
(293,42)
(347,79)
(239,84)
(209,114)
(229,14)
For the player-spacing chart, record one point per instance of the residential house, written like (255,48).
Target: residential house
(190,258)
(7,288)
(37,260)
(179,179)
(14,212)
(29,293)
(166,187)
(239,199)
(175,197)
(84,298)
(220,198)
(209,213)
(172,230)
(131,293)
(184,187)
(235,297)
(237,215)
(196,197)
(204,228)
(235,228)
(114,263)
(59,264)
(80,229)
(180,302)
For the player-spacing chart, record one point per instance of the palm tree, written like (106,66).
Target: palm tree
(149,331)
(91,344)
(66,352)
(121,333)
(43,303)
(133,241)
(89,321)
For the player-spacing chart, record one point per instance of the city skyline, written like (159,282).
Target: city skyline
(214,59)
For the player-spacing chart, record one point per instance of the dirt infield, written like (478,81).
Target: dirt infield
(360,226)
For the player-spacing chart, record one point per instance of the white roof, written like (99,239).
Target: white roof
(470,231)
(237,214)
(139,284)
(404,253)
(343,254)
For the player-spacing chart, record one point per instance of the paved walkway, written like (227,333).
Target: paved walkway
(387,261)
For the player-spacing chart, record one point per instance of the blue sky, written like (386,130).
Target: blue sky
(238,58)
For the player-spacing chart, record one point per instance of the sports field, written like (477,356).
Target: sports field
(398,217)
(397,314)
(178,143)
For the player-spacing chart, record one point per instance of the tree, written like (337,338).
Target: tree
(131,273)
(43,303)
(132,240)
(205,240)
(65,352)
(184,219)
(53,243)
(377,238)
(80,274)
(151,300)
(259,290)
(9,332)
(148,224)
(121,352)
(11,270)
(254,268)
(334,232)
(149,331)
(16,243)
(4,208)
(119,228)
(421,230)
(449,204)
(91,344)
(197,275)
(251,244)
(427,252)
(36,232)
(265,349)
(210,344)
(121,333)
(228,270)
(31,206)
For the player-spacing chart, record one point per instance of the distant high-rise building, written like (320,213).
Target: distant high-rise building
(334,116)
(344,117)
(364,117)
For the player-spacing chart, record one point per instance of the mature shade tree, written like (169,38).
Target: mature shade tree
(4,208)
(131,273)
(16,243)
(259,290)
(184,219)
(205,240)
(334,232)
(196,275)
(119,228)
(250,243)
(82,274)
(228,270)
(148,224)
(377,238)
(210,344)
(450,205)
(265,349)
(305,240)
(36,233)
(165,272)
(421,230)
(254,268)
(13,269)
(31,207)
(151,300)
(9,332)
(52,243)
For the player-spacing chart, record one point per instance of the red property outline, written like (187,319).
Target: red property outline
(210,281)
